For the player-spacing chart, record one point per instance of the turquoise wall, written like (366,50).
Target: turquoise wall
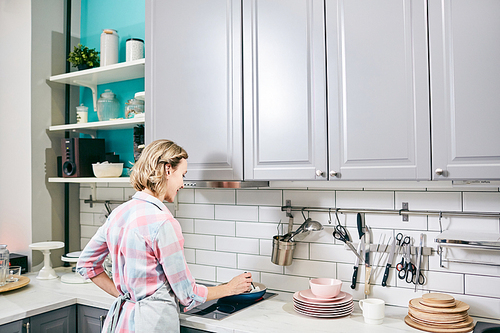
(128,18)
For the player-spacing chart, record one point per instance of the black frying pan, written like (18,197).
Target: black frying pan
(248,296)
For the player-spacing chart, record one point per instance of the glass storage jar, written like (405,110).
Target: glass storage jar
(133,107)
(4,264)
(108,106)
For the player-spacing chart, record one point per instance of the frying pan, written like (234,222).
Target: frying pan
(246,297)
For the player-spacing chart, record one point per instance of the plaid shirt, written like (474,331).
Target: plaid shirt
(146,246)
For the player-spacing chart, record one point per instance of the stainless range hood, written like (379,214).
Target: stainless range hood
(224,184)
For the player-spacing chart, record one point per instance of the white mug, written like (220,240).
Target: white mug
(373,310)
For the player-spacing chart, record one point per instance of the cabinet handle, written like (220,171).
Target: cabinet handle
(319,173)
(439,172)
(101,320)
(27,326)
(334,174)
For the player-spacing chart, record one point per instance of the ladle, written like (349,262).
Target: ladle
(306,227)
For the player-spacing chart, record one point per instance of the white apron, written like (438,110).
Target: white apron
(154,314)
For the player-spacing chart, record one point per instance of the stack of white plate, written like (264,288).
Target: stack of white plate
(306,303)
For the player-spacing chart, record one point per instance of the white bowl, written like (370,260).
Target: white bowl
(325,287)
(107,170)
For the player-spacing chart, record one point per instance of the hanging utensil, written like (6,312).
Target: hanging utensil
(368,267)
(361,248)
(305,228)
(340,233)
(419,257)
(388,265)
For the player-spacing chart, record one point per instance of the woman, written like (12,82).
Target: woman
(145,242)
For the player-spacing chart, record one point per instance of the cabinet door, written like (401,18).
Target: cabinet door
(193,83)
(284,89)
(465,85)
(57,321)
(15,327)
(378,91)
(90,319)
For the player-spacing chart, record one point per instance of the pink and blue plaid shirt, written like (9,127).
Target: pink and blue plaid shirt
(146,246)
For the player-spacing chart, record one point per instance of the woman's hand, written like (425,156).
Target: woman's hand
(239,284)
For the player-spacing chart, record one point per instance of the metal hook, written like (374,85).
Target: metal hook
(440,225)
(329,216)
(302,211)
(337,215)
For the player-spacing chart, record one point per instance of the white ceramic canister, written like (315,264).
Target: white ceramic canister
(81,114)
(109,47)
(135,49)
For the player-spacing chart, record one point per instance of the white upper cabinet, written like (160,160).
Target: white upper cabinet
(465,86)
(378,90)
(194,83)
(284,84)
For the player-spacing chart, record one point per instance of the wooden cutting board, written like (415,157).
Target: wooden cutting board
(437,305)
(436,329)
(23,280)
(459,307)
(438,298)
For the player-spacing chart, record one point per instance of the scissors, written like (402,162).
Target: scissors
(407,270)
(340,233)
(402,241)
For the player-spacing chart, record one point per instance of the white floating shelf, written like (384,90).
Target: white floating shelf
(93,77)
(89,180)
(101,75)
(99,125)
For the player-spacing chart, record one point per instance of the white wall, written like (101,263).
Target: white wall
(15,125)
(229,231)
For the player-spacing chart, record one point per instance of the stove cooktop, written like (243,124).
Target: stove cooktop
(219,309)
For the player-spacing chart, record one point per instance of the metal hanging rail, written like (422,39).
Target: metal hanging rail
(389,211)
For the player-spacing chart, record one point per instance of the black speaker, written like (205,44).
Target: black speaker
(78,154)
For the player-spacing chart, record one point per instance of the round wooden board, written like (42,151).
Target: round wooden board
(23,280)
(434,329)
(438,298)
(437,305)
(438,318)
(463,323)
(459,307)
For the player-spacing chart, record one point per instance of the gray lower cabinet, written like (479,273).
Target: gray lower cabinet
(465,85)
(57,321)
(284,89)
(193,80)
(378,90)
(90,319)
(185,329)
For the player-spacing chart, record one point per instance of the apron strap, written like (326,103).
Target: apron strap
(115,310)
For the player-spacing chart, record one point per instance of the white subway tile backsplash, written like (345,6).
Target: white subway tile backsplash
(190,255)
(229,231)
(195,211)
(185,195)
(259,197)
(258,263)
(444,282)
(204,242)
(255,230)
(311,269)
(438,201)
(214,196)
(310,198)
(128,193)
(212,227)
(482,285)
(273,215)
(239,213)
(365,199)
(202,272)
(227,274)
(482,202)
(237,245)
(284,282)
(187,225)
(87,231)
(213,258)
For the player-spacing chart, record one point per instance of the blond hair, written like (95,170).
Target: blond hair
(149,171)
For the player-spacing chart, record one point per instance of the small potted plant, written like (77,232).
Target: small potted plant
(83,57)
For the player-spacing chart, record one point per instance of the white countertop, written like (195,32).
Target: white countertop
(272,315)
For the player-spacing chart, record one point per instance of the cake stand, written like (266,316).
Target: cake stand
(47,272)
(72,257)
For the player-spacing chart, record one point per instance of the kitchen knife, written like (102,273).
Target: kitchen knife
(360,219)
(389,263)
(361,246)
(419,260)
(368,268)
